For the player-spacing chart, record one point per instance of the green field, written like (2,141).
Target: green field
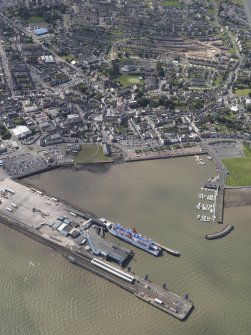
(246,149)
(35,19)
(91,153)
(239,168)
(69,58)
(211,11)
(243,92)
(232,51)
(218,80)
(170,3)
(238,2)
(127,80)
(240,171)
(148,3)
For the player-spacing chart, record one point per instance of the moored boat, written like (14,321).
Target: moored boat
(134,238)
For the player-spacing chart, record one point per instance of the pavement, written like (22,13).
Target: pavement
(24,164)
(25,200)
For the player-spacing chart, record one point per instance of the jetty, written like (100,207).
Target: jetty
(169,250)
(220,205)
(221,233)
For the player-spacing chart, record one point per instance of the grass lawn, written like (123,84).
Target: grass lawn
(243,92)
(127,80)
(211,11)
(69,58)
(170,3)
(232,51)
(148,3)
(238,2)
(240,171)
(91,153)
(246,149)
(126,61)
(218,80)
(35,19)
(239,168)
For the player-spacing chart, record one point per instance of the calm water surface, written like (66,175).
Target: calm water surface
(41,293)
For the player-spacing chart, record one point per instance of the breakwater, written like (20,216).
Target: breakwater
(221,233)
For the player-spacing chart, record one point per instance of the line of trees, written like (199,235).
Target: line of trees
(49,15)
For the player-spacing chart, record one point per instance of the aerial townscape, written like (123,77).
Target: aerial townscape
(101,82)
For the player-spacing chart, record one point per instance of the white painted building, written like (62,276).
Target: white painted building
(21,131)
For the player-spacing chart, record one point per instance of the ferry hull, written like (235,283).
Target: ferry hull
(135,243)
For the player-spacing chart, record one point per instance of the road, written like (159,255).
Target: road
(221,167)
(6,69)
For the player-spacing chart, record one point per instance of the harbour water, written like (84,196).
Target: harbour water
(42,293)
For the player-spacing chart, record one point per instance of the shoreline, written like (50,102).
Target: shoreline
(80,166)
(178,155)
(231,201)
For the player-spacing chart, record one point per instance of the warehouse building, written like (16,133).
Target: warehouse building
(21,132)
(40,31)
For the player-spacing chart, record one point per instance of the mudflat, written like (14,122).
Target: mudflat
(237,197)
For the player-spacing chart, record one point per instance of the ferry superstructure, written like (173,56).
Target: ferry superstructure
(134,238)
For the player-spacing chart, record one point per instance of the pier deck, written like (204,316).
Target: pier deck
(23,219)
(220,205)
(169,250)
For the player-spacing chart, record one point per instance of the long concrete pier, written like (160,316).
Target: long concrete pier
(220,205)
(17,212)
(169,250)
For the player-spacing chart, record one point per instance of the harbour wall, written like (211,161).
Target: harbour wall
(138,159)
(220,204)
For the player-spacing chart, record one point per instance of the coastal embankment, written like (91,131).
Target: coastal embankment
(152,155)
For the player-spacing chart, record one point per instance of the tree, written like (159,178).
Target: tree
(142,102)
(6,135)
(160,69)
(24,13)
(4,132)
